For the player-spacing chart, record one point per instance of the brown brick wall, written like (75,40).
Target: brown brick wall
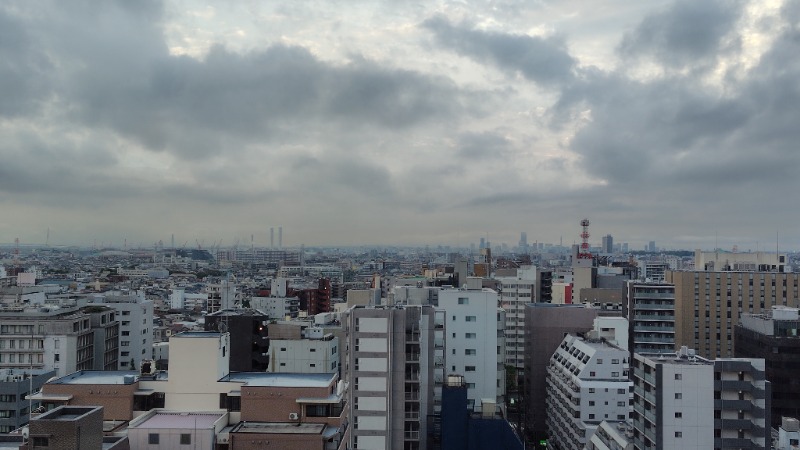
(266,404)
(116,399)
(255,441)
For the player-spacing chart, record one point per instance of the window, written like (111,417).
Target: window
(463,301)
(57,357)
(679,415)
(186,439)
(678,434)
(152,439)
(283,349)
(614,374)
(591,416)
(678,376)
(471,319)
(591,402)
(621,403)
(591,390)
(41,441)
(621,391)
(469,351)
(591,374)
(678,396)
(469,368)
(470,335)
(599,360)
(126,333)
(614,361)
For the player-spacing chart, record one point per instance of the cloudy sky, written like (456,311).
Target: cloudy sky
(395,122)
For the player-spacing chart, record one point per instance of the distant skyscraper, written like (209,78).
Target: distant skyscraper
(483,243)
(651,246)
(523,241)
(608,244)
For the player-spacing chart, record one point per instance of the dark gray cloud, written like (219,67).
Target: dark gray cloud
(687,33)
(543,60)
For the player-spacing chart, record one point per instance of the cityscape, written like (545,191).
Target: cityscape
(443,225)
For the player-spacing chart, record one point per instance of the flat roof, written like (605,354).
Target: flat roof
(282,379)
(163,420)
(196,334)
(99,377)
(279,428)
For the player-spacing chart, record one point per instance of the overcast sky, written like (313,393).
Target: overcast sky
(393,122)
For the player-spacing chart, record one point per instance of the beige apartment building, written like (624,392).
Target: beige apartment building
(708,305)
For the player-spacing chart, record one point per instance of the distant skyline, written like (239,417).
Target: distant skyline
(397,123)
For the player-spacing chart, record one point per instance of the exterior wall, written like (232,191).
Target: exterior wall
(192,384)
(708,305)
(650,308)
(545,327)
(135,315)
(116,399)
(475,342)
(84,432)
(742,395)
(13,389)
(170,438)
(515,293)
(304,356)
(260,441)
(249,338)
(282,402)
(394,377)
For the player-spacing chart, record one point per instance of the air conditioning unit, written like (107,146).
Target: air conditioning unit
(294,416)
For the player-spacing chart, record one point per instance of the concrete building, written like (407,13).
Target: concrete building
(15,385)
(708,304)
(721,261)
(607,245)
(44,338)
(223,295)
(650,309)
(611,435)
(545,327)
(105,327)
(277,307)
(688,402)
(788,434)
(135,315)
(775,337)
(587,382)
(176,430)
(395,368)
(248,330)
(515,293)
(67,428)
(318,352)
(476,342)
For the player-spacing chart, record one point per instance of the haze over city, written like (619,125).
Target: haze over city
(394,123)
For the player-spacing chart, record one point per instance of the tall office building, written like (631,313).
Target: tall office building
(607,244)
(546,324)
(650,308)
(394,364)
(688,402)
(708,304)
(475,342)
(587,382)
(775,337)
(515,293)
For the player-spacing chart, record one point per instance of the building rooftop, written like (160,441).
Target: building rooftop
(68,413)
(185,420)
(282,379)
(196,334)
(279,428)
(99,377)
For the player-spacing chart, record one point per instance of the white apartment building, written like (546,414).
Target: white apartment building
(135,315)
(307,355)
(475,342)
(587,383)
(688,402)
(277,307)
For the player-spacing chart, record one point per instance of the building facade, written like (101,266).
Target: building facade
(708,304)
(394,365)
(135,315)
(650,308)
(249,337)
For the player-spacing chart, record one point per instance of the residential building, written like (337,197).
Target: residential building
(775,337)
(394,366)
(788,434)
(249,351)
(277,307)
(650,308)
(105,327)
(546,324)
(611,435)
(15,385)
(476,342)
(135,315)
(316,352)
(689,402)
(58,339)
(587,382)
(176,430)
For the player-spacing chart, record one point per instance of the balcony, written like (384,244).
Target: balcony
(412,415)
(411,435)
(733,405)
(412,336)
(733,385)
(733,424)
(412,357)
(655,317)
(412,376)
(412,396)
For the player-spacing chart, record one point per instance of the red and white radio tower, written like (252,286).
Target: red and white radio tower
(584,252)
